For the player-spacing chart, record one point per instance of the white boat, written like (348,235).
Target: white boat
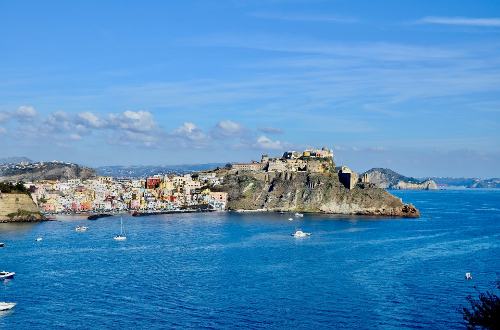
(81,228)
(120,237)
(299,215)
(6,275)
(5,306)
(299,234)
(468,276)
(290,219)
(2,244)
(38,239)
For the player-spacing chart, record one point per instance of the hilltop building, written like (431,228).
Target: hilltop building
(310,160)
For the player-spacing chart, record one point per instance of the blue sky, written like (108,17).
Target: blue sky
(410,85)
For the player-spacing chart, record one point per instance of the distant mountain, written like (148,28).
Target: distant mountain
(468,182)
(141,171)
(44,171)
(388,179)
(14,160)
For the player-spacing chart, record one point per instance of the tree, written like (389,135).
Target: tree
(484,312)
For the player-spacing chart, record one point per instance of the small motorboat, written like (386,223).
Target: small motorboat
(290,219)
(299,234)
(81,228)
(5,306)
(299,215)
(6,275)
(38,239)
(468,276)
(2,244)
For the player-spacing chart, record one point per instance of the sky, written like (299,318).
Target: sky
(409,85)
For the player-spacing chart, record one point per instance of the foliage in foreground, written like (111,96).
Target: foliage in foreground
(484,312)
(7,187)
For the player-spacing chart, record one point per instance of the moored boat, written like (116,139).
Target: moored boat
(299,234)
(6,275)
(122,236)
(299,215)
(5,306)
(81,228)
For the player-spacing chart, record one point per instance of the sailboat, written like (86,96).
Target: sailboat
(120,237)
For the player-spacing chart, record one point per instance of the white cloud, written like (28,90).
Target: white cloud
(263,142)
(227,128)
(134,121)
(3,130)
(190,132)
(464,21)
(271,130)
(25,112)
(4,116)
(75,137)
(91,120)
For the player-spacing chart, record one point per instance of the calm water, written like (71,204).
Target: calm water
(224,270)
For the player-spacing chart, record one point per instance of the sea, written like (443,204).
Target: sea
(244,270)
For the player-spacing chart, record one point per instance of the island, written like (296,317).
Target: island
(305,181)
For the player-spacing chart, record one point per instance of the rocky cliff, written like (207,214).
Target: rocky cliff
(18,208)
(388,179)
(309,192)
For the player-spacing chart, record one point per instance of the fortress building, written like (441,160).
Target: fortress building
(310,160)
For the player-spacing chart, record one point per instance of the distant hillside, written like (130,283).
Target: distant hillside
(44,171)
(388,179)
(468,182)
(141,171)
(14,160)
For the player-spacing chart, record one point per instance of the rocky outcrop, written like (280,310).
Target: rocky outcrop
(388,179)
(18,208)
(44,171)
(423,185)
(309,192)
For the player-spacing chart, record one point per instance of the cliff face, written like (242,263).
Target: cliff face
(388,179)
(309,192)
(18,208)
(424,185)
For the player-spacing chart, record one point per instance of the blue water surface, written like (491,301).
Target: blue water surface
(223,270)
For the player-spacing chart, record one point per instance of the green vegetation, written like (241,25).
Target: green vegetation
(484,312)
(19,188)
(23,214)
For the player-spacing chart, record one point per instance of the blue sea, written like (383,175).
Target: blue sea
(228,270)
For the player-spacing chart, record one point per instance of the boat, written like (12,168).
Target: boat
(5,306)
(120,237)
(38,239)
(299,234)
(290,219)
(6,275)
(299,215)
(2,244)
(81,228)
(468,276)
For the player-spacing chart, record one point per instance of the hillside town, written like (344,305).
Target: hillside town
(107,194)
(170,192)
